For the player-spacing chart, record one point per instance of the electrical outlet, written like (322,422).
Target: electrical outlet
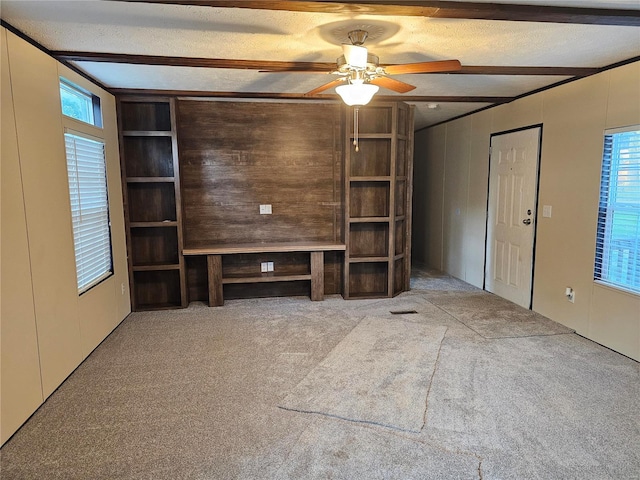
(570,294)
(269,266)
(546,211)
(265,209)
(122,288)
(264,267)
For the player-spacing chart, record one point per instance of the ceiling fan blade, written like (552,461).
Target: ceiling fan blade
(392,84)
(355,55)
(424,67)
(326,86)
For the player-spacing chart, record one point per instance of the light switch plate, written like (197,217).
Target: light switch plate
(265,209)
(546,211)
(269,266)
(264,267)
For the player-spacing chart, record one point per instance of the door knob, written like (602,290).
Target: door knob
(527,221)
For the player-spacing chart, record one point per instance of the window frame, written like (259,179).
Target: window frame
(111,270)
(607,206)
(95,102)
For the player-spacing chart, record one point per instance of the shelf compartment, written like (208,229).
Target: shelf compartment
(152,246)
(398,276)
(151,202)
(401,197)
(368,240)
(148,156)
(145,116)
(400,237)
(368,279)
(374,119)
(156,289)
(247,265)
(373,159)
(401,158)
(267,289)
(403,114)
(266,278)
(369,199)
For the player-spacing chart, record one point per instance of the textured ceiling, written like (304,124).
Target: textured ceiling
(246,34)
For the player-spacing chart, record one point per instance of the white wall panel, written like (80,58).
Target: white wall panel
(20,386)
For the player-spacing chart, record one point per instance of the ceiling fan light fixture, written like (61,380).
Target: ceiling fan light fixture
(355,55)
(357,94)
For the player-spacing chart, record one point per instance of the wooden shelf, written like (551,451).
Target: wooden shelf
(372,135)
(170,223)
(368,259)
(151,189)
(151,179)
(220,271)
(378,202)
(265,248)
(370,179)
(266,278)
(147,133)
(158,267)
(370,220)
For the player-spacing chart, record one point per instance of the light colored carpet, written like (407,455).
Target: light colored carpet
(494,317)
(193,394)
(330,449)
(380,374)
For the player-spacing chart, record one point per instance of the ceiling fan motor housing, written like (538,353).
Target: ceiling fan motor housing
(358,37)
(372,63)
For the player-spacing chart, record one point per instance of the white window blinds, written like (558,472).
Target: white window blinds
(89,209)
(618,237)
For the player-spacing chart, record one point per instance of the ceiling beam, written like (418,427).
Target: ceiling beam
(307,67)
(436,9)
(320,67)
(302,96)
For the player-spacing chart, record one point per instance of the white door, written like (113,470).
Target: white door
(513,180)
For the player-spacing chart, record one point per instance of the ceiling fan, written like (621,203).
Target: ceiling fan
(360,74)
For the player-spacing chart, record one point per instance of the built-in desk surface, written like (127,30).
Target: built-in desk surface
(216,280)
(264,248)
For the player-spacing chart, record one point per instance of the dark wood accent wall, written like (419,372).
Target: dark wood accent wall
(236,156)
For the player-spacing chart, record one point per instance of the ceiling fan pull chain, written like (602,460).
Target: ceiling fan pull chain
(355,128)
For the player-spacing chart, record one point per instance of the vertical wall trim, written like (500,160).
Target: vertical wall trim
(444,178)
(24,206)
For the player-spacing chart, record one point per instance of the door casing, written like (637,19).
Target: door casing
(534,185)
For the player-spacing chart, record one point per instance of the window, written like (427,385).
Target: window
(618,237)
(79,104)
(89,209)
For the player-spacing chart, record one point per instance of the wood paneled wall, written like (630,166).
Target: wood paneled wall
(235,156)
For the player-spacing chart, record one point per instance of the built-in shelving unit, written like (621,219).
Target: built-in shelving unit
(151,190)
(378,202)
(220,272)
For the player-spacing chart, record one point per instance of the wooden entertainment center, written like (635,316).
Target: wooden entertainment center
(196,173)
